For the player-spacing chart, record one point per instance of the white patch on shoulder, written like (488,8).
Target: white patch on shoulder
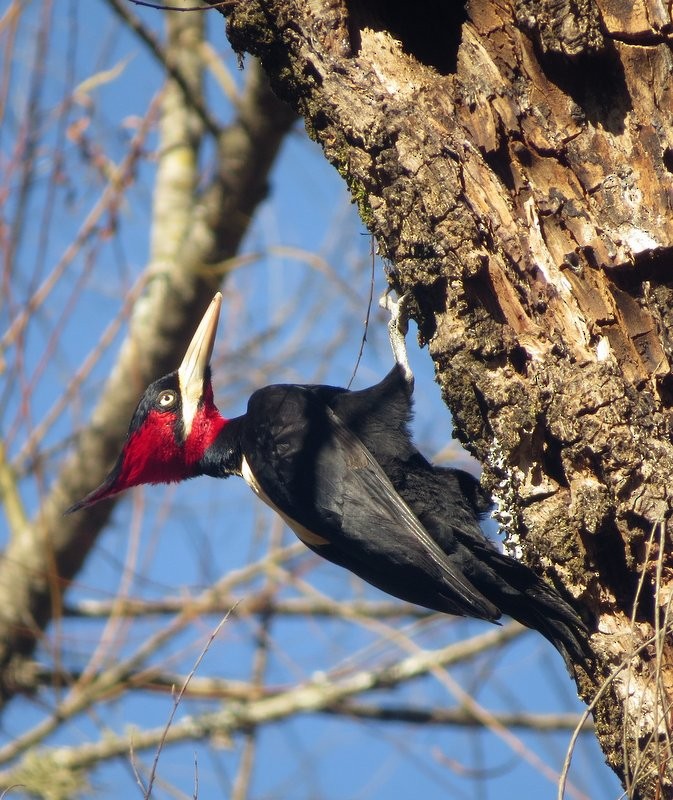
(307,536)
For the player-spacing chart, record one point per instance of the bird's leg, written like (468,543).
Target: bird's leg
(398,325)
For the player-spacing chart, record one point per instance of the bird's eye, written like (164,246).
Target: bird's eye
(166,399)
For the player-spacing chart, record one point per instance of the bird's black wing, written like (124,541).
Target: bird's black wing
(379,416)
(439,499)
(324,481)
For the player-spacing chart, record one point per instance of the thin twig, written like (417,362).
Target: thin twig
(220,4)
(367,315)
(178,699)
(115,677)
(605,685)
(156,48)
(311,697)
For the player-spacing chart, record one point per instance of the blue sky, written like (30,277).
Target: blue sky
(172,540)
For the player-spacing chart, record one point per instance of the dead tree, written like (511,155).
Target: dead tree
(513,160)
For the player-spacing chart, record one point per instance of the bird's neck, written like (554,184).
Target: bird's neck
(224,455)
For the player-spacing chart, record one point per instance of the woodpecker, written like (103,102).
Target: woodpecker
(341,469)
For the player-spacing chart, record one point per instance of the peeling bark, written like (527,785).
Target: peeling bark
(514,162)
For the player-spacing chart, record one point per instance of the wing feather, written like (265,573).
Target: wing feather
(319,475)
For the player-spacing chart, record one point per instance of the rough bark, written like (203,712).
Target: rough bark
(193,233)
(514,162)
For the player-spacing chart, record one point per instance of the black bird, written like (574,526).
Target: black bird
(341,469)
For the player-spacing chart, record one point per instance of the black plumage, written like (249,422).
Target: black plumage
(342,465)
(342,470)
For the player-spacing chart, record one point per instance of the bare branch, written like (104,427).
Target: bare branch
(257,603)
(314,696)
(460,717)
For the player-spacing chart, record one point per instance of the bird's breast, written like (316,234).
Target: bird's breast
(307,536)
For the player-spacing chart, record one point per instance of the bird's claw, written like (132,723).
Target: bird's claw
(398,310)
(398,326)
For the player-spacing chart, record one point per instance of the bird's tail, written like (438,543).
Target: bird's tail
(525,597)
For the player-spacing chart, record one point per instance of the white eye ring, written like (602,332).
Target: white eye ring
(166,399)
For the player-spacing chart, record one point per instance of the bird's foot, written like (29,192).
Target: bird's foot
(398,325)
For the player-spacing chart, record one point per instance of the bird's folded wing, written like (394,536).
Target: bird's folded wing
(375,523)
(318,474)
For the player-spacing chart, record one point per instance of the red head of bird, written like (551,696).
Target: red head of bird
(174,423)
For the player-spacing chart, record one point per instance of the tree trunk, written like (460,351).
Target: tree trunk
(514,162)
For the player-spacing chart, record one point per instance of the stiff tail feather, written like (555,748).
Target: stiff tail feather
(535,604)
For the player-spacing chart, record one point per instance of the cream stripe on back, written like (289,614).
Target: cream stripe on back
(303,533)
